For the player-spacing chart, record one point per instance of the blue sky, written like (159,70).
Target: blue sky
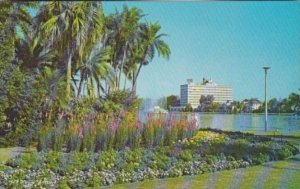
(229,42)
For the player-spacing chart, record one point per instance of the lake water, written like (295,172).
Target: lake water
(249,122)
(284,123)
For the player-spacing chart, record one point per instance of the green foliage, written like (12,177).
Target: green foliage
(82,169)
(37,65)
(284,153)
(160,161)
(53,160)
(107,160)
(78,161)
(260,158)
(188,108)
(119,101)
(45,141)
(213,107)
(238,148)
(211,159)
(16,178)
(94,181)
(186,155)
(132,160)
(110,107)
(172,100)
(63,184)
(25,161)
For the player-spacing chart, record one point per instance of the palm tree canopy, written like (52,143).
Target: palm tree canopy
(32,53)
(152,42)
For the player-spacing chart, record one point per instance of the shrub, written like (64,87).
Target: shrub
(211,159)
(132,160)
(45,139)
(53,159)
(260,159)
(63,184)
(94,180)
(238,148)
(3,142)
(185,155)
(160,161)
(107,160)
(206,136)
(292,148)
(264,148)
(284,153)
(25,161)
(78,161)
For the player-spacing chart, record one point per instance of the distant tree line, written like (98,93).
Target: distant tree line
(291,104)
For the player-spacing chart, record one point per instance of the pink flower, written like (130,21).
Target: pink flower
(61,115)
(113,124)
(80,132)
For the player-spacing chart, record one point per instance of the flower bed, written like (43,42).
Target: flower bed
(206,151)
(99,132)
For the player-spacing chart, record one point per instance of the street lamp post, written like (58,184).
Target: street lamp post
(266,103)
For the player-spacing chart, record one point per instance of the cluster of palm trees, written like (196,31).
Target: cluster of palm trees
(89,52)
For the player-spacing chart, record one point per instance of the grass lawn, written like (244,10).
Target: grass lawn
(295,179)
(291,134)
(5,154)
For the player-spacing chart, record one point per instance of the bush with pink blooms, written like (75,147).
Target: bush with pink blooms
(82,130)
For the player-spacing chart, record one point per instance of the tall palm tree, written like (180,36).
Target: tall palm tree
(71,27)
(123,29)
(150,42)
(130,23)
(94,68)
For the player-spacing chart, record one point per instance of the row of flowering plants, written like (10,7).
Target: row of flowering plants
(205,151)
(92,131)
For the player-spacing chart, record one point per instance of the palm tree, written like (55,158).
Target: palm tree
(71,27)
(129,66)
(151,42)
(33,54)
(123,33)
(15,13)
(95,68)
(130,22)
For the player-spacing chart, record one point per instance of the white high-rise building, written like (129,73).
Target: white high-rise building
(191,93)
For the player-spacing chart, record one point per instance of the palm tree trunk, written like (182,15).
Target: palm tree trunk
(80,86)
(122,64)
(125,84)
(98,90)
(85,87)
(134,80)
(91,87)
(74,82)
(69,73)
(70,53)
